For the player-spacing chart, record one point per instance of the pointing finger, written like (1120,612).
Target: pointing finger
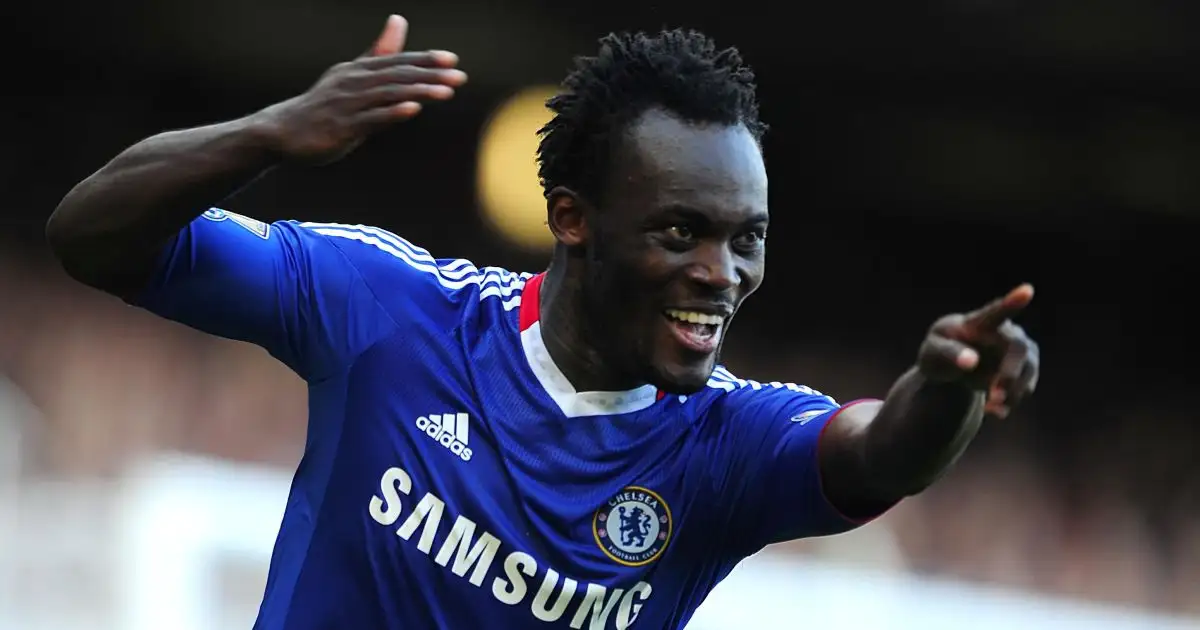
(995,313)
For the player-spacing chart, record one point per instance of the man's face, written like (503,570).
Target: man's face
(677,245)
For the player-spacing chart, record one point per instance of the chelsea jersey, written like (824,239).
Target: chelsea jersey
(452,477)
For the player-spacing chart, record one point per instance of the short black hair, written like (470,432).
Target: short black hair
(680,71)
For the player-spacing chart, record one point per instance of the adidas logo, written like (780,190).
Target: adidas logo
(448,429)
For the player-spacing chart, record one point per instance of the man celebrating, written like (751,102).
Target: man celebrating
(490,449)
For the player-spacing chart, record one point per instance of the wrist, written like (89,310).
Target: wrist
(942,380)
(915,390)
(262,133)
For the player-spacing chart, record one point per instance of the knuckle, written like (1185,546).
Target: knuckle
(935,340)
(947,322)
(341,68)
(351,76)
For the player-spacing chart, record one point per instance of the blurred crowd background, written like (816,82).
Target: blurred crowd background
(924,158)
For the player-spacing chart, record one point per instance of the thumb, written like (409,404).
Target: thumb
(391,40)
(945,359)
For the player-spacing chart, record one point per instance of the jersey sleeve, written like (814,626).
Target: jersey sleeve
(279,286)
(771,435)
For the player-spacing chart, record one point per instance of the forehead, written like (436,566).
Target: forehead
(712,168)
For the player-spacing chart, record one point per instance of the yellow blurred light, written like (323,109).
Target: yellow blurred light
(506,173)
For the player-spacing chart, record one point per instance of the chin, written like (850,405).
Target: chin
(681,379)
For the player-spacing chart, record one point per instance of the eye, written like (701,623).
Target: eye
(751,241)
(680,233)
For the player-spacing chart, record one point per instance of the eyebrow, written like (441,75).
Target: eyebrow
(691,213)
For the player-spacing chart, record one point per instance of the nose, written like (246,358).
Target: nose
(715,266)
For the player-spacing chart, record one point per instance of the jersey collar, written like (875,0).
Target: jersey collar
(574,404)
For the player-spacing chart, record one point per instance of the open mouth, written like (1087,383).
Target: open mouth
(698,332)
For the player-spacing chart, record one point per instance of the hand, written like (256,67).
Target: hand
(354,99)
(986,351)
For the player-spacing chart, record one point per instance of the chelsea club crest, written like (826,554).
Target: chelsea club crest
(633,527)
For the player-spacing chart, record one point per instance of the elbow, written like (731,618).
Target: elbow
(76,254)
(58,235)
(66,243)
(64,233)
(118,271)
(94,247)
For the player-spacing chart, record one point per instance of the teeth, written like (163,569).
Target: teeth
(692,317)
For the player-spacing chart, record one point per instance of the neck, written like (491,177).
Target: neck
(566,335)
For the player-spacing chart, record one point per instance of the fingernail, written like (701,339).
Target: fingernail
(967,359)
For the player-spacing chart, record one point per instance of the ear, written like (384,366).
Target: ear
(567,216)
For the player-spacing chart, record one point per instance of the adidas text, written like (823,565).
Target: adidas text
(450,430)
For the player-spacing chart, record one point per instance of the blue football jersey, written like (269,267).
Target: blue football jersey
(452,477)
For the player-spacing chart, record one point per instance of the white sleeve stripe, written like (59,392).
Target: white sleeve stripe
(453,269)
(418,253)
(459,280)
(723,379)
(725,385)
(450,268)
(721,374)
(454,274)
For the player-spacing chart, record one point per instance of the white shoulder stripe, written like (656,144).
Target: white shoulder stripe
(454,274)
(724,379)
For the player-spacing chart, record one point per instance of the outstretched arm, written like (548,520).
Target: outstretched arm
(873,454)
(109,230)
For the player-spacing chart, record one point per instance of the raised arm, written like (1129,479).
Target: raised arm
(874,454)
(109,231)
